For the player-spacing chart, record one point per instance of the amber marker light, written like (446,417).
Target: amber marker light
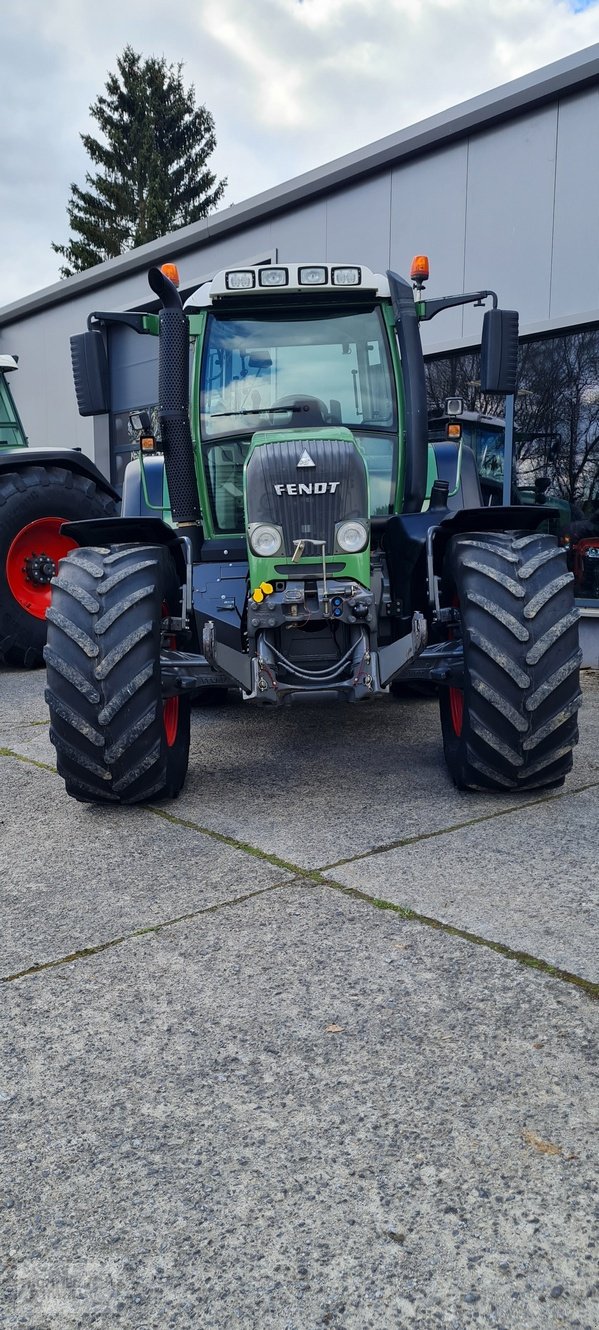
(454,431)
(419,272)
(171,271)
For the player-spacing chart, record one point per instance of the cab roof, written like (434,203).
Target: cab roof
(278,278)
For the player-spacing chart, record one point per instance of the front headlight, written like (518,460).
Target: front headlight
(352,537)
(265,540)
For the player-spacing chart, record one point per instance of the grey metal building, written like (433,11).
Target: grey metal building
(501,191)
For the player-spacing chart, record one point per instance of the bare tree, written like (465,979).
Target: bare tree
(557,409)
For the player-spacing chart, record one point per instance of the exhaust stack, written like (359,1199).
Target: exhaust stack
(173,410)
(414,381)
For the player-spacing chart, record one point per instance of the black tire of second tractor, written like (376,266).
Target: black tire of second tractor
(26,495)
(108,720)
(521,690)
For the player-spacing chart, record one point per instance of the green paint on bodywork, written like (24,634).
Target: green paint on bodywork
(389,318)
(351,567)
(197,327)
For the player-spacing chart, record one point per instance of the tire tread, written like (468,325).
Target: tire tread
(521,662)
(104,689)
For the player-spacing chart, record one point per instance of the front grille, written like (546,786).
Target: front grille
(337,465)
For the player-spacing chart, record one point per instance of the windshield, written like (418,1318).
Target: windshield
(275,373)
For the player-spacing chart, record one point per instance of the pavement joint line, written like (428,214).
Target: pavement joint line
(451,930)
(86,952)
(30,761)
(459,826)
(317,875)
(290,867)
(236,844)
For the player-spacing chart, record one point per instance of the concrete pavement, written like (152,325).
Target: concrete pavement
(311,1046)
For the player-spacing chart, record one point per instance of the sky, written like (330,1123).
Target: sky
(291,84)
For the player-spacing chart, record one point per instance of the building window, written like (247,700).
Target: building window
(556,434)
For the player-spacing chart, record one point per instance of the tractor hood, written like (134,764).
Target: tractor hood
(302,486)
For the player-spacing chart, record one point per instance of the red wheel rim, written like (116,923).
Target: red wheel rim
(38,538)
(456,696)
(170,707)
(170,718)
(456,708)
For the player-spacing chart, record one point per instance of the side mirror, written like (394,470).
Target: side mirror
(499,351)
(90,373)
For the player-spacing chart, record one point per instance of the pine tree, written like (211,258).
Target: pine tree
(152,174)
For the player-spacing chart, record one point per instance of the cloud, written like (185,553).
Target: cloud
(291,84)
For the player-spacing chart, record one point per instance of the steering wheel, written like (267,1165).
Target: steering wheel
(306,410)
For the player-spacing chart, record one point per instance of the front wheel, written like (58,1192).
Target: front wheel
(513,723)
(116,737)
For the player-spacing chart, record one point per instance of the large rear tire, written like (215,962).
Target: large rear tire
(513,725)
(34,502)
(116,738)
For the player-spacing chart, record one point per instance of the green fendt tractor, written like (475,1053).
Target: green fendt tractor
(40,489)
(309,540)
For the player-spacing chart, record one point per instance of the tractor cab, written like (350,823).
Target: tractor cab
(282,350)
(12,434)
(483,434)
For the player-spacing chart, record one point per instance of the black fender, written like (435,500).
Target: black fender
(128,531)
(517,517)
(406,534)
(16,459)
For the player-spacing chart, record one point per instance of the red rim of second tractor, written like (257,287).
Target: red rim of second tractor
(170,705)
(456,707)
(170,720)
(456,696)
(40,538)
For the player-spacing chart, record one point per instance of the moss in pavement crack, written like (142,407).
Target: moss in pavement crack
(235,844)
(30,761)
(316,875)
(85,952)
(459,826)
(509,953)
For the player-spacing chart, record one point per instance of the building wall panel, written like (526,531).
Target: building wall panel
(575,265)
(358,221)
(509,215)
(301,232)
(428,217)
